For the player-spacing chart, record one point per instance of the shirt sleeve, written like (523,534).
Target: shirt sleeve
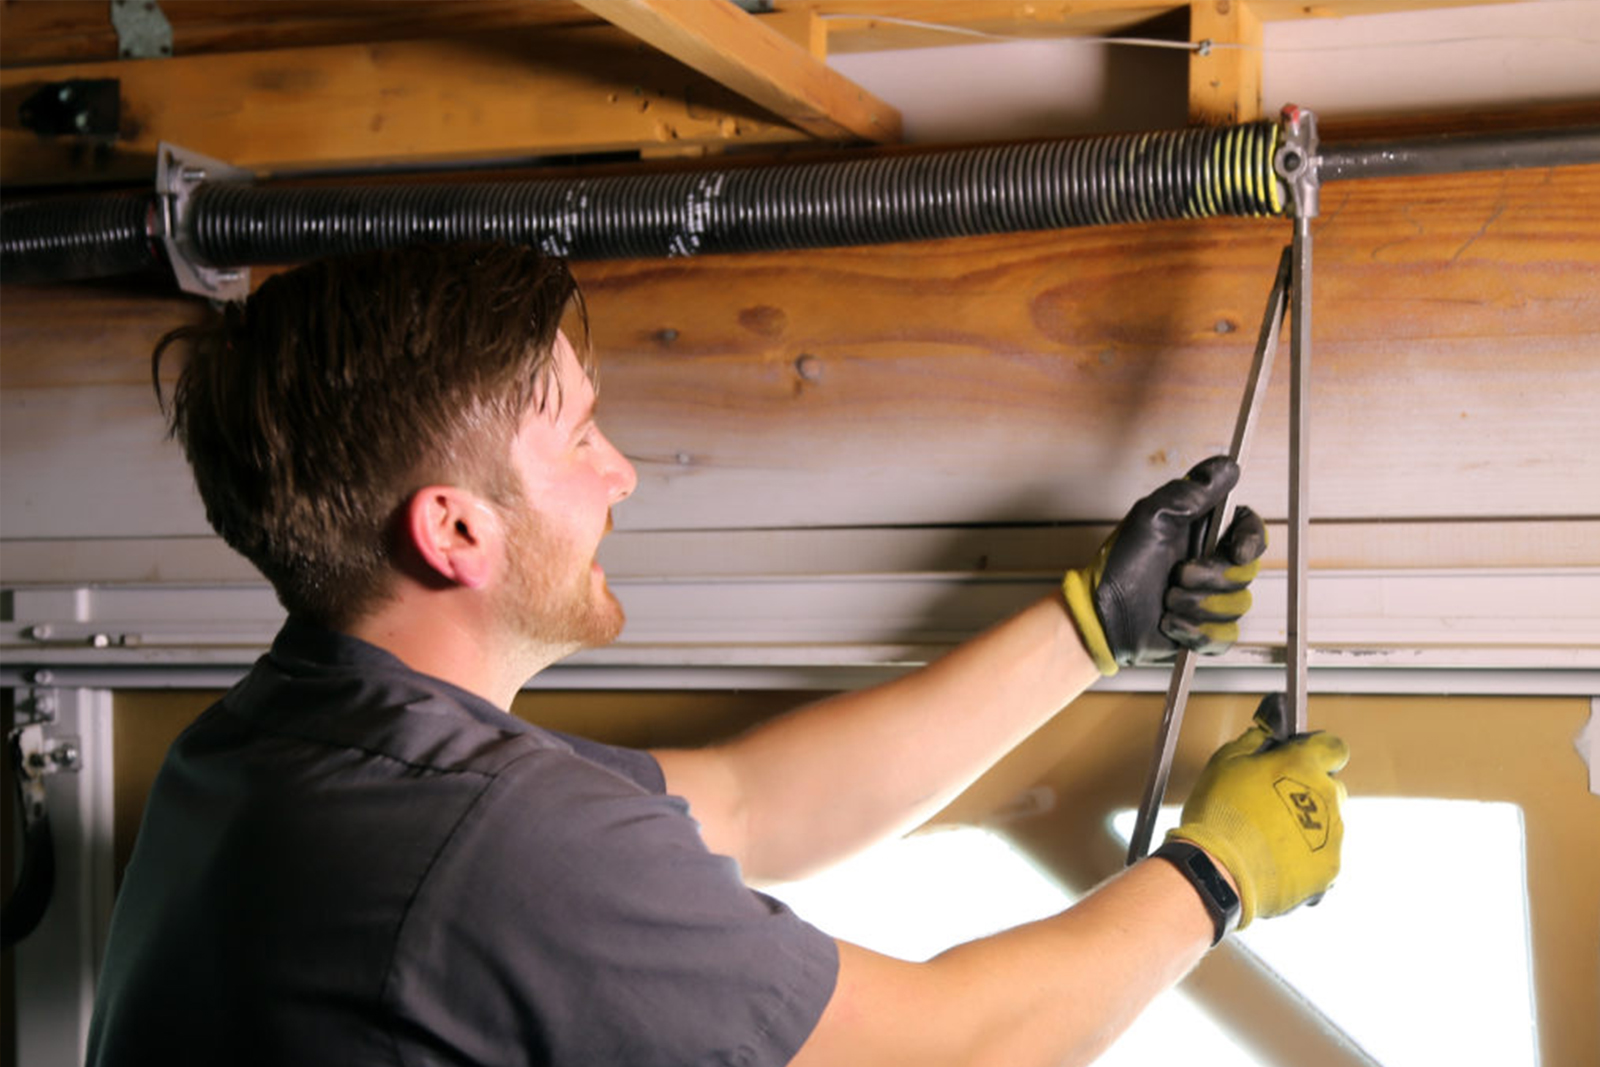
(575,918)
(632,763)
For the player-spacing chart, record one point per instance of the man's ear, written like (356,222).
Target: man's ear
(456,534)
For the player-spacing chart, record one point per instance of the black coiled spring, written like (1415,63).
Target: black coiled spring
(78,237)
(1047,185)
(1039,186)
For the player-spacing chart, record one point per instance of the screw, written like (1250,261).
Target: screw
(100,640)
(65,754)
(809,368)
(37,632)
(193,174)
(40,677)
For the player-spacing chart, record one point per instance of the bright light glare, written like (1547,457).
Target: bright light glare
(1420,952)
(915,897)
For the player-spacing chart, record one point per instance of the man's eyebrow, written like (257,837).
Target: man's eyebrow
(586,418)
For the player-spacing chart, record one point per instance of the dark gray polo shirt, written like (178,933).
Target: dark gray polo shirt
(347,862)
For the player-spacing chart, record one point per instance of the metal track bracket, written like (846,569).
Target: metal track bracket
(179,172)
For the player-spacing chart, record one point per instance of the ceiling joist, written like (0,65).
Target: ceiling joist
(46,32)
(736,49)
(506,98)
(359,85)
(1225,82)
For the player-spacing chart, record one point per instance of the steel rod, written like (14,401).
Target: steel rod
(1299,472)
(1457,153)
(1183,669)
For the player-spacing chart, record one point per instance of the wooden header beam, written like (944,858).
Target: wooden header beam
(45,32)
(506,98)
(731,47)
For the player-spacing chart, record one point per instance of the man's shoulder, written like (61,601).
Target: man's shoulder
(419,722)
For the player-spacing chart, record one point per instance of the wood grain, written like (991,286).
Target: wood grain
(65,31)
(1033,378)
(1052,375)
(747,55)
(506,97)
(34,32)
(1225,83)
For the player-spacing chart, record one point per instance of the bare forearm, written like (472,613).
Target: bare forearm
(831,778)
(1089,972)
(1051,992)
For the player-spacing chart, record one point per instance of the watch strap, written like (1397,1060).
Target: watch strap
(1219,898)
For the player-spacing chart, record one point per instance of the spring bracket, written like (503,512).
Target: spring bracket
(1296,162)
(179,172)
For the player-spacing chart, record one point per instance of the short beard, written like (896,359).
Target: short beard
(553,614)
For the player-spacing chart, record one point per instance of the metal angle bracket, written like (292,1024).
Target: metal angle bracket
(33,754)
(179,173)
(33,757)
(143,31)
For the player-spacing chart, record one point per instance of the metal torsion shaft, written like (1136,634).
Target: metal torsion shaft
(1456,153)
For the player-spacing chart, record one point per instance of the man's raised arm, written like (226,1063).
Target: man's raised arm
(810,788)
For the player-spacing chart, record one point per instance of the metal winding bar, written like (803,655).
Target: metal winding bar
(1183,669)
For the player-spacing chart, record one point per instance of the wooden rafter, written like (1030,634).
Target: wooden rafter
(730,46)
(1225,82)
(74,31)
(502,98)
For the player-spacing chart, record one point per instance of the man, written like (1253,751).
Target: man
(358,856)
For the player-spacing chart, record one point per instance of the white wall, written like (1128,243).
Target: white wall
(1496,56)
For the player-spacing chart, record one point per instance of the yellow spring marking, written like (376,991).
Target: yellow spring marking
(1247,168)
(1272,181)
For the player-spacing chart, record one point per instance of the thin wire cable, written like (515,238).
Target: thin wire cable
(1205,46)
(967,31)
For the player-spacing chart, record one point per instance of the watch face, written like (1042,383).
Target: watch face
(1220,888)
(1220,901)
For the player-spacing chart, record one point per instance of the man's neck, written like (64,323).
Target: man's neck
(450,641)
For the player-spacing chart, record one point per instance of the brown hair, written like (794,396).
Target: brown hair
(312,411)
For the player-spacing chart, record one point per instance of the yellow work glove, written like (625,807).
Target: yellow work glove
(1269,811)
(1148,593)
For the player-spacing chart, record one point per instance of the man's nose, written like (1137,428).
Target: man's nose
(624,478)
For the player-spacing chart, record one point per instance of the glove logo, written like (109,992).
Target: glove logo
(1306,808)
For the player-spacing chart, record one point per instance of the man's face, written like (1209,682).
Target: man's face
(555,594)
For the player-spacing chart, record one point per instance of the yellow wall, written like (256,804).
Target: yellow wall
(1094,758)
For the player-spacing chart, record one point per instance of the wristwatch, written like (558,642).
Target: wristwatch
(1220,901)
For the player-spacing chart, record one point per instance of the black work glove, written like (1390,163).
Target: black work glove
(1148,593)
